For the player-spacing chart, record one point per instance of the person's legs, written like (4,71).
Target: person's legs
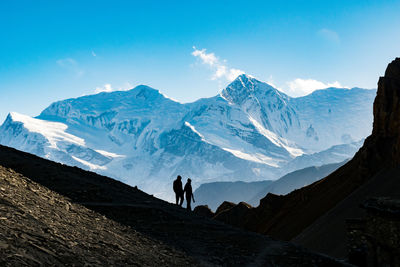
(188,200)
(181,199)
(177,198)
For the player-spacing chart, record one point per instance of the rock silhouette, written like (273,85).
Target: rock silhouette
(203,210)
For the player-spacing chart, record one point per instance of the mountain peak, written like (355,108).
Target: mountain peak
(387,104)
(146,92)
(244,79)
(245,76)
(143,87)
(393,69)
(15,117)
(245,87)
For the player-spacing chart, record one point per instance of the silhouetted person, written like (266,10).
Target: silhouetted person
(178,190)
(189,194)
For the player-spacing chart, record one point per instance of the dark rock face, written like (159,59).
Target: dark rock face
(225,206)
(387,112)
(284,217)
(373,240)
(203,210)
(234,215)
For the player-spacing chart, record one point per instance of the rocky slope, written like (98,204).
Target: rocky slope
(285,217)
(249,132)
(51,214)
(40,227)
(332,225)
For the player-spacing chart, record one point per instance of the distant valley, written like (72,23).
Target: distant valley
(214,194)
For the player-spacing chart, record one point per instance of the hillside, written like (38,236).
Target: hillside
(40,227)
(53,214)
(332,225)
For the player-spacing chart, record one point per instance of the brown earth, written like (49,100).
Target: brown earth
(52,214)
(285,217)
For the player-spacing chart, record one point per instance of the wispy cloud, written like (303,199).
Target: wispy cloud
(71,65)
(108,88)
(302,87)
(94,54)
(218,66)
(329,35)
(105,88)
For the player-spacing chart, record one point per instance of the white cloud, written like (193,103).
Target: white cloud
(108,88)
(209,58)
(233,73)
(71,65)
(219,68)
(94,54)
(302,87)
(105,88)
(329,35)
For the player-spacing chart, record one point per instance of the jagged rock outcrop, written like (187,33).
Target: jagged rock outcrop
(235,215)
(373,240)
(203,210)
(284,217)
(224,206)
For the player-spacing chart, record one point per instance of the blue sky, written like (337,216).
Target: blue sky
(52,50)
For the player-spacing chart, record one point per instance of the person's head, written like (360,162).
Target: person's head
(179,177)
(189,180)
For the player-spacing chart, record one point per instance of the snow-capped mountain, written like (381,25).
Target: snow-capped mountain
(250,131)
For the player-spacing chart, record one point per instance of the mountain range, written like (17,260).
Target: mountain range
(250,131)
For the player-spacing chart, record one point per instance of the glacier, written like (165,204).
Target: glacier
(250,131)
